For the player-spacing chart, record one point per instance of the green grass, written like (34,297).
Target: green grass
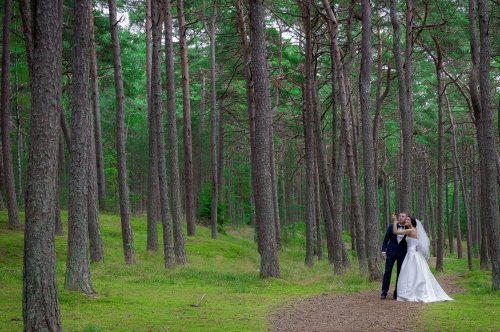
(477,308)
(222,276)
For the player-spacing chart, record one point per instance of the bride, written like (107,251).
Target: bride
(416,282)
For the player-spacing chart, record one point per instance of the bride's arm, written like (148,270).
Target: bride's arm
(396,231)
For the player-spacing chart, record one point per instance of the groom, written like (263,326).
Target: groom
(393,250)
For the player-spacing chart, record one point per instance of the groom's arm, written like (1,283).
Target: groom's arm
(387,238)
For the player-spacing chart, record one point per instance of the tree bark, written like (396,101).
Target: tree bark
(175,182)
(269,266)
(198,170)
(369,163)
(440,167)
(121,154)
(490,214)
(153,185)
(456,209)
(249,85)
(465,193)
(307,118)
(220,160)
(213,122)
(60,181)
(157,112)
(449,221)
(96,248)
(24,8)
(40,295)
(432,225)
(8,169)
(332,194)
(99,158)
(385,186)
(356,213)
(96,166)
(379,99)
(77,263)
(186,104)
(406,117)
(57,213)
(317,212)
(474,81)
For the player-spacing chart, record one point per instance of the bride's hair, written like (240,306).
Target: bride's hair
(413,221)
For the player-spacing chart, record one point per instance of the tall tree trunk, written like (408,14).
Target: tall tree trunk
(449,221)
(60,180)
(335,126)
(186,106)
(40,295)
(99,158)
(406,116)
(24,8)
(284,195)
(96,248)
(476,101)
(153,188)
(379,99)
(469,174)
(153,184)
(157,112)
(338,196)
(249,85)
(274,177)
(332,194)
(213,122)
(465,193)
(307,118)
(482,242)
(440,167)
(385,185)
(198,170)
(369,163)
(274,182)
(356,213)
(175,181)
(432,223)
(317,212)
(490,214)
(474,73)
(96,166)
(121,154)
(456,209)
(60,169)
(77,263)
(269,266)
(2,204)
(8,169)
(220,157)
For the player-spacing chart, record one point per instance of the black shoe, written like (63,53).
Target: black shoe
(383,296)
(395,297)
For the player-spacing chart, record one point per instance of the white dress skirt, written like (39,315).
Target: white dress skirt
(416,283)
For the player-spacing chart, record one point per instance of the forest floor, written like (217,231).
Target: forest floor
(364,311)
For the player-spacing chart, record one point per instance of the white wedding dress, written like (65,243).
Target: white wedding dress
(416,283)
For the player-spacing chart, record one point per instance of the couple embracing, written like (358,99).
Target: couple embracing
(406,244)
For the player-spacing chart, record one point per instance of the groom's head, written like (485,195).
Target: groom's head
(402,218)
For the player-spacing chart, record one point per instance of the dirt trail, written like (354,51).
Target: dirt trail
(364,311)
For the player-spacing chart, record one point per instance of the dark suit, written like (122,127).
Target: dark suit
(395,252)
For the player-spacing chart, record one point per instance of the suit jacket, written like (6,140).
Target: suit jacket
(390,244)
